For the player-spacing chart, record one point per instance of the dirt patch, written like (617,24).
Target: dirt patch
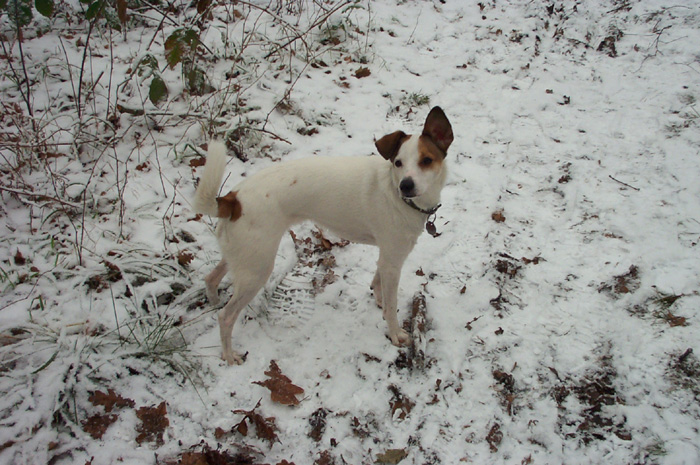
(598,395)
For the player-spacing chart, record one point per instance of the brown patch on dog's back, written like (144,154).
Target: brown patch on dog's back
(229,206)
(427,150)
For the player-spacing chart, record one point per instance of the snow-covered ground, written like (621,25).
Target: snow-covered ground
(561,297)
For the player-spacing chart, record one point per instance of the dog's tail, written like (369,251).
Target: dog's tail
(208,188)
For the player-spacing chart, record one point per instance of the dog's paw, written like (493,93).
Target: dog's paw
(232,358)
(401,338)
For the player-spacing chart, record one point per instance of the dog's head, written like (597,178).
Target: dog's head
(418,159)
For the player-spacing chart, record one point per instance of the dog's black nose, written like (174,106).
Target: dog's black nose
(407,187)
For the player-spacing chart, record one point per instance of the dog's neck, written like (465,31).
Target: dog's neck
(430,215)
(426,211)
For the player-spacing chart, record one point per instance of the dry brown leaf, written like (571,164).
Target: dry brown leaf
(19,259)
(154,420)
(324,458)
(494,437)
(96,425)
(109,400)
(265,428)
(184,257)
(281,388)
(391,456)
(220,433)
(318,424)
(674,320)
(362,72)
(197,162)
(534,261)
(121,12)
(498,216)
(400,403)
(193,458)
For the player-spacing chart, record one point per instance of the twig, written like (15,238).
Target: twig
(25,96)
(624,183)
(38,196)
(86,50)
(419,340)
(685,355)
(410,38)
(269,133)
(316,23)
(285,96)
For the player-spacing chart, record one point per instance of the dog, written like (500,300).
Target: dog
(383,201)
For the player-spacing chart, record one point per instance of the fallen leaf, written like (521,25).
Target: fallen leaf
(197,162)
(154,420)
(498,216)
(265,428)
(19,259)
(281,388)
(109,400)
(184,257)
(674,320)
(318,424)
(242,427)
(324,458)
(193,458)
(400,403)
(534,261)
(96,425)
(362,72)
(391,456)
(494,437)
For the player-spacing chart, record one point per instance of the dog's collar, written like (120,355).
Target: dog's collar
(412,204)
(429,225)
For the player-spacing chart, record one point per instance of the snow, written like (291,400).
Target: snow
(593,160)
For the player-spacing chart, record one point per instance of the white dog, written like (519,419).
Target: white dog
(380,201)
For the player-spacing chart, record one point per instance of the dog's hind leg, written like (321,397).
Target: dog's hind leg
(213,280)
(227,318)
(376,287)
(249,272)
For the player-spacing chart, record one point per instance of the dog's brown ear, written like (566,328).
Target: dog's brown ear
(388,145)
(438,128)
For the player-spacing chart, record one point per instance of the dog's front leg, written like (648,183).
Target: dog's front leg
(389,274)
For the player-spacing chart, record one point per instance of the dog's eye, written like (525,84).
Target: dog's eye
(398,164)
(426,161)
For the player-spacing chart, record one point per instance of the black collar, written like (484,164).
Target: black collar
(412,204)
(429,224)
